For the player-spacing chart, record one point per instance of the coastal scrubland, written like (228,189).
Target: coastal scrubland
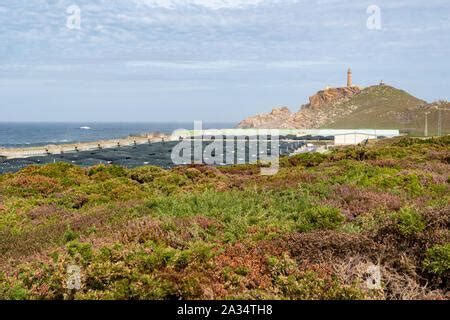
(315,230)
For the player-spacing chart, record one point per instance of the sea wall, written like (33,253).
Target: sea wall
(13,153)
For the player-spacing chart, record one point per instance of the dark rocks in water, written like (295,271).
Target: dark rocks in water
(157,154)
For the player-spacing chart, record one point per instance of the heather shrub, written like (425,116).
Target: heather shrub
(409,221)
(114,189)
(73,199)
(437,260)
(65,173)
(192,173)
(146,174)
(160,257)
(170,183)
(439,142)
(308,285)
(28,186)
(357,153)
(10,290)
(355,201)
(104,172)
(243,169)
(228,232)
(70,235)
(81,250)
(304,159)
(320,217)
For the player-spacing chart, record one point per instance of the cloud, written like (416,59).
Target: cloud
(134,45)
(226,64)
(210,4)
(186,65)
(296,64)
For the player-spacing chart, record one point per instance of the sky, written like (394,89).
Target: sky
(210,60)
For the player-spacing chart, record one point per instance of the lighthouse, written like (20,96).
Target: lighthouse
(349,78)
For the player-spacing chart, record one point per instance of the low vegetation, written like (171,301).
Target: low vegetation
(315,230)
(385,107)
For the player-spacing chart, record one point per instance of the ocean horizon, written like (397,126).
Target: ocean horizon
(30,134)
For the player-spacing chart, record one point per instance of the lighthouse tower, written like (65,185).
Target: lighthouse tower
(349,78)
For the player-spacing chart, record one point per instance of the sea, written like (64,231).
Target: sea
(19,135)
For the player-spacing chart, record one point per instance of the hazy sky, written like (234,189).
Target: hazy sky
(211,60)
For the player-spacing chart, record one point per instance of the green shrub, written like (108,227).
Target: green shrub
(160,257)
(70,235)
(104,172)
(11,291)
(66,173)
(113,189)
(16,292)
(437,259)
(309,286)
(35,185)
(439,142)
(170,183)
(73,199)
(183,259)
(305,159)
(320,217)
(409,221)
(242,271)
(84,250)
(146,174)
(354,153)
(192,173)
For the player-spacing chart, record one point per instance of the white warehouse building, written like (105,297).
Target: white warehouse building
(352,138)
(341,136)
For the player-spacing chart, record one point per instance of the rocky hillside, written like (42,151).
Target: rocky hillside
(380,106)
(331,96)
(278,118)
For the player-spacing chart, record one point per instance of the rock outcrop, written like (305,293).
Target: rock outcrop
(277,119)
(312,115)
(331,96)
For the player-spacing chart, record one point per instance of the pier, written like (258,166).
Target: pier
(15,153)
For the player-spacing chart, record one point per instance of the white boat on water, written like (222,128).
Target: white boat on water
(85,128)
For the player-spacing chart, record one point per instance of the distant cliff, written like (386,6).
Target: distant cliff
(331,96)
(309,116)
(379,106)
(278,118)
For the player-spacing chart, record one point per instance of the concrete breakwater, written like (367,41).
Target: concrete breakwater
(15,153)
